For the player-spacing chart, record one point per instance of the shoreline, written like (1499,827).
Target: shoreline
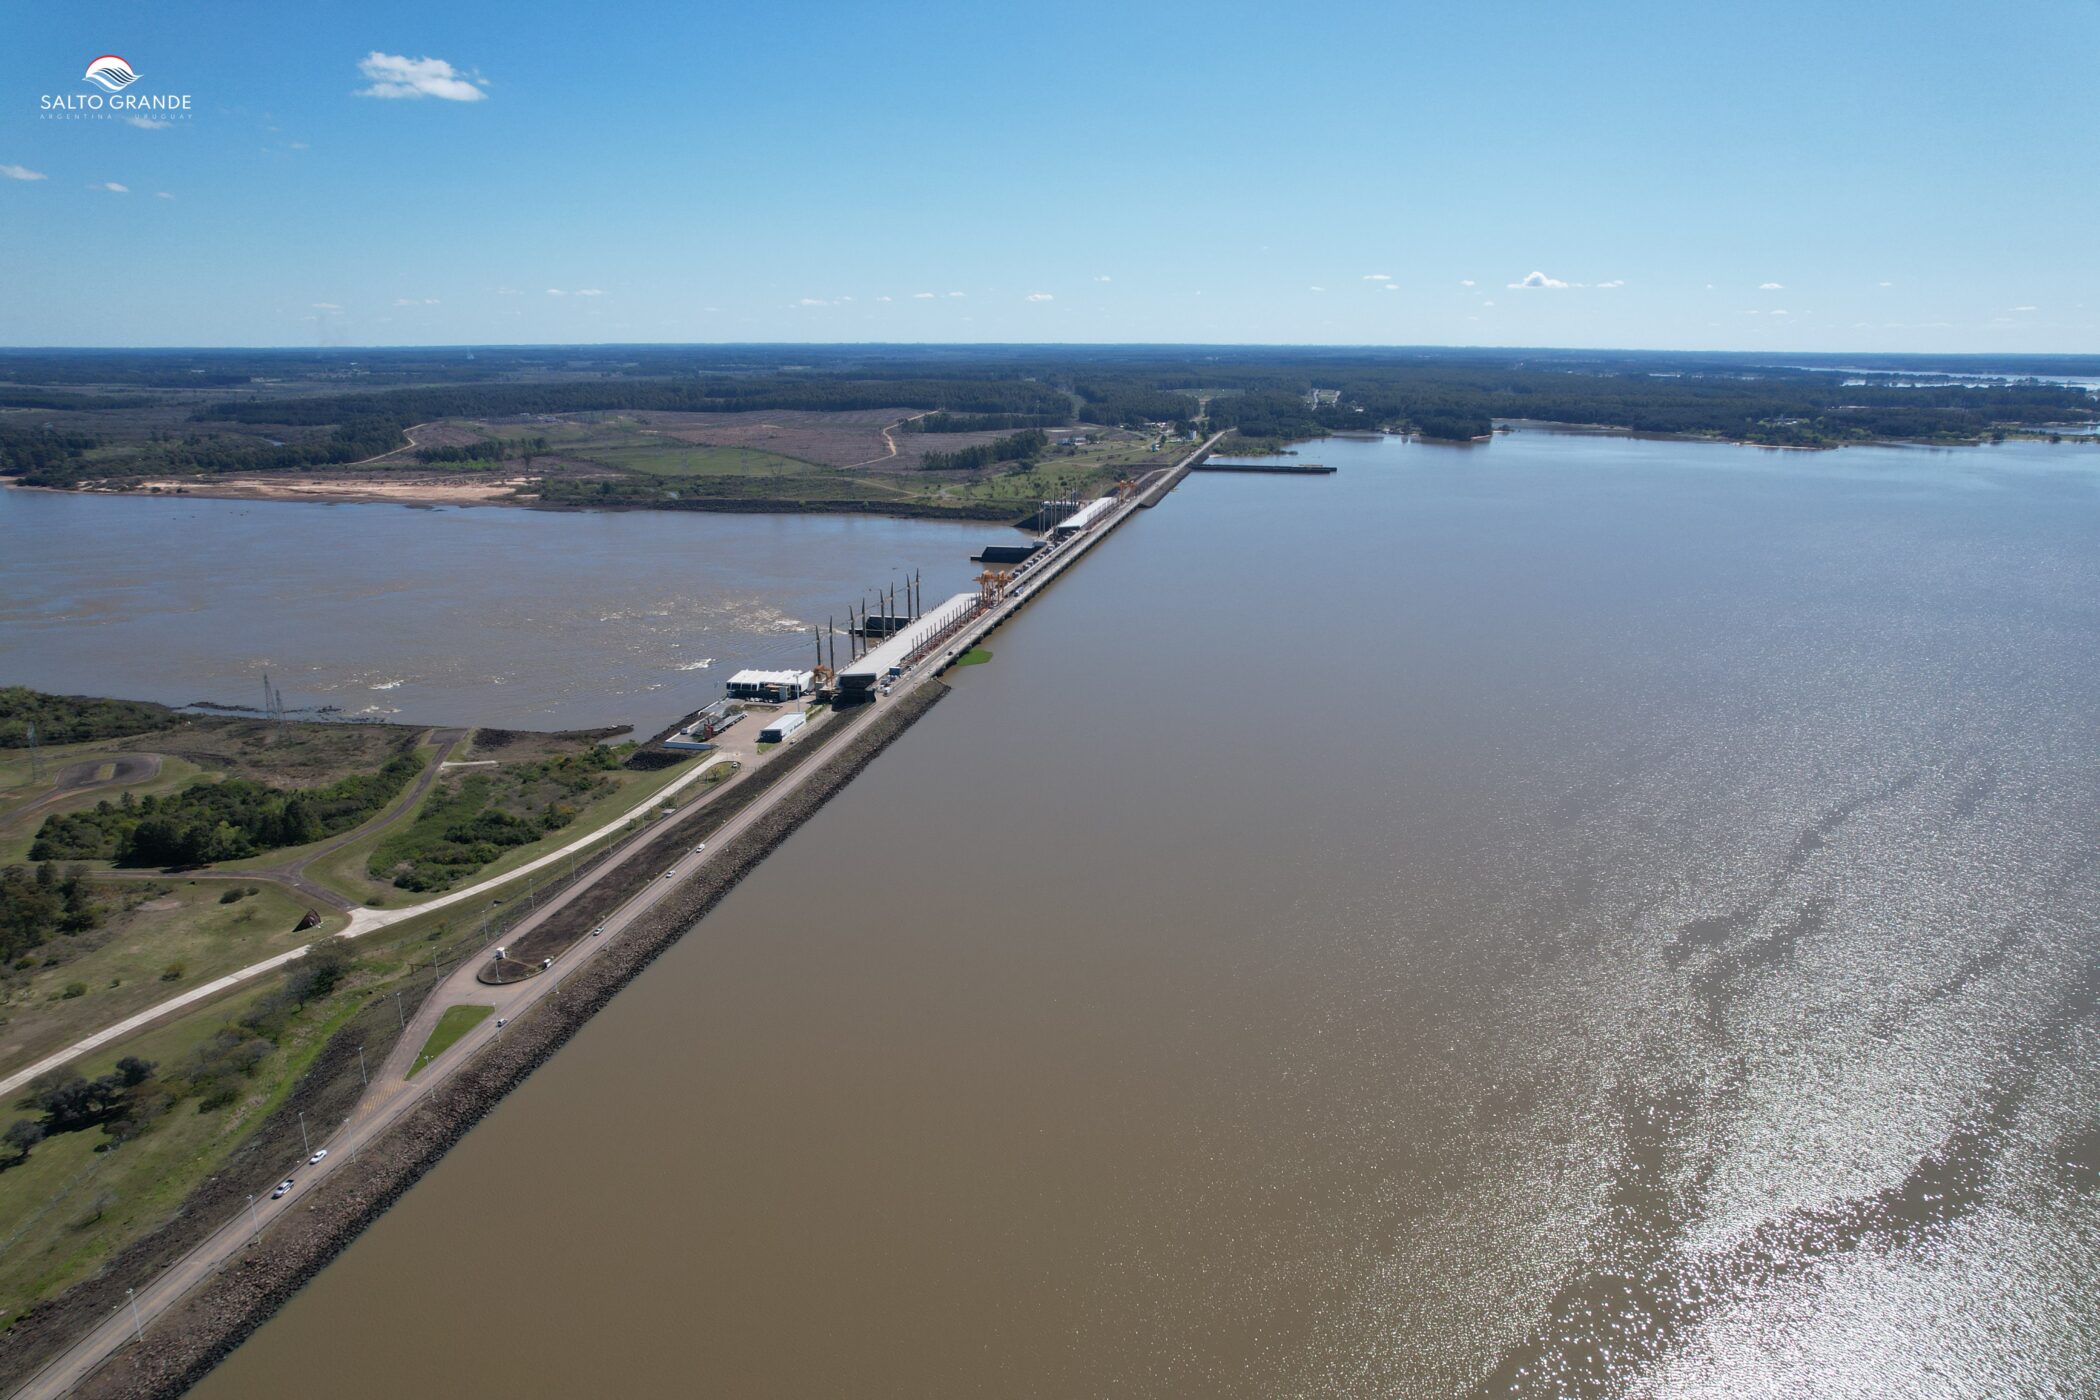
(209,1323)
(440,494)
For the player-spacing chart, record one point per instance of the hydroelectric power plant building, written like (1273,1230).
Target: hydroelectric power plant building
(1086,516)
(859,680)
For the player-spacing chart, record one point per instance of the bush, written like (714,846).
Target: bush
(73,989)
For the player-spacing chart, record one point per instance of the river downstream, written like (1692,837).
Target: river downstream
(1577,916)
(523,619)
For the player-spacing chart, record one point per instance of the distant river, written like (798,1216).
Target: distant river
(515,618)
(1572,916)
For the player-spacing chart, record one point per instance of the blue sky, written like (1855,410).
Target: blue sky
(1772,176)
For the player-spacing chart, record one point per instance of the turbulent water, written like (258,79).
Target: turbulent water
(1569,917)
(525,619)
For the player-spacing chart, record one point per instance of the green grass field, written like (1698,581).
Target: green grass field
(975,656)
(67,1209)
(669,457)
(452,1025)
(125,962)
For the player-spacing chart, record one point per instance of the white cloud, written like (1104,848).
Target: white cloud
(922,296)
(885,298)
(1377,277)
(415,301)
(1886,284)
(812,301)
(326,306)
(556,292)
(1487,303)
(1539,280)
(590,292)
(1465,281)
(1782,311)
(20,172)
(506,291)
(1771,287)
(1315,289)
(1615,282)
(1104,279)
(1041,296)
(393,75)
(149,123)
(295,146)
(2026,308)
(163,194)
(955,294)
(1392,286)
(844,299)
(112,186)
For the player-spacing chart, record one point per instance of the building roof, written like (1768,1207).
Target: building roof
(801,678)
(1087,514)
(892,652)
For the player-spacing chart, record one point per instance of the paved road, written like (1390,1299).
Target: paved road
(76,778)
(391,1094)
(293,873)
(362,921)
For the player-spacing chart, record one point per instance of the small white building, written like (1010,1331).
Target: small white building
(773,686)
(780,727)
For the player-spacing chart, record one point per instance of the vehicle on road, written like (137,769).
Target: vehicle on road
(282,1187)
(598,930)
(502,1021)
(671,874)
(315,1160)
(699,848)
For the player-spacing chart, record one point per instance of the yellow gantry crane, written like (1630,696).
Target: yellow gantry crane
(992,585)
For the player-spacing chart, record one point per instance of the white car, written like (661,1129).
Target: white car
(598,930)
(315,1160)
(699,848)
(670,874)
(282,1187)
(502,1021)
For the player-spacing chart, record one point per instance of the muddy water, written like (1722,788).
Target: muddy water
(1578,917)
(517,618)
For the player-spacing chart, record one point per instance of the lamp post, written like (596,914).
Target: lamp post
(363,1078)
(138,1329)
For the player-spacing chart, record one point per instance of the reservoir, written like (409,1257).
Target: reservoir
(1567,916)
(513,618)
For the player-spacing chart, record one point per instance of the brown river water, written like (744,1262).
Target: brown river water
(1571,917)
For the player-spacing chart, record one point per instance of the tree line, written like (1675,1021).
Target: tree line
(1020,447)
(487,450)
(208,822)
(70,719)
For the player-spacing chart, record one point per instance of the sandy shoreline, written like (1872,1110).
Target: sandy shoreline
(433,491)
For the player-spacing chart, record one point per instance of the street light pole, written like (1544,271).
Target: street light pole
(138,1329)
(363,1078)
(401,1015)
(304,1140)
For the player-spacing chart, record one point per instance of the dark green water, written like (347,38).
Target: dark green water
(1574,917)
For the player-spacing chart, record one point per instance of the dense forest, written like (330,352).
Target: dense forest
(228,820)
(256,411)
(1020,447)
(69,719)
(488,450)
(37,905)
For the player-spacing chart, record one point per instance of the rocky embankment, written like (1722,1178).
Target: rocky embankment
(190,1339)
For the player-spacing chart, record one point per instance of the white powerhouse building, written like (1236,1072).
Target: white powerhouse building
(774,686)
